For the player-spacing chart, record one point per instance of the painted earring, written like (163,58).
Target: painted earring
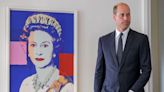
(54,55)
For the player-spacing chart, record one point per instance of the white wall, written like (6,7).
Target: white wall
(94,20)
(3,64)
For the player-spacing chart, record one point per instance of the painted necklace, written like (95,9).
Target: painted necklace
(40,85)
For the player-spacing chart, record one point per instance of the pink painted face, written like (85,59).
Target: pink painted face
(40,48)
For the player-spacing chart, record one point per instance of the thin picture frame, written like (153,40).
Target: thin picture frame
(17,55)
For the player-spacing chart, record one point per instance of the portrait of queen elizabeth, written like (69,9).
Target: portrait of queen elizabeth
(43,34)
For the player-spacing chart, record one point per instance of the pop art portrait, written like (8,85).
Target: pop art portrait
(42,51)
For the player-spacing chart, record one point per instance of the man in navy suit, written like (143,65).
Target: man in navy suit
(123,62)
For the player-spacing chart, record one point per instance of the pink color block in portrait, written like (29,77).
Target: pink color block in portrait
(18,53)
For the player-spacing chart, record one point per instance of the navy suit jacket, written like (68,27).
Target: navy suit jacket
(134,70)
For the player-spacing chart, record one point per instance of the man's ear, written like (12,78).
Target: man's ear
(114,17)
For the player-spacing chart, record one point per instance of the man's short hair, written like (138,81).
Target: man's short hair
(115,7)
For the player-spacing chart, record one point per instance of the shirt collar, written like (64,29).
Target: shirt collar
(125,32)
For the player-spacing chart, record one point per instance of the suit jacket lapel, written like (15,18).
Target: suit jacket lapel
(113,49)
(127,46)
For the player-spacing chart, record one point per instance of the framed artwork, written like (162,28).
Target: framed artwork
(42,50)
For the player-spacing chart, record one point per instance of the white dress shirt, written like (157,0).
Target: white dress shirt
(124,37)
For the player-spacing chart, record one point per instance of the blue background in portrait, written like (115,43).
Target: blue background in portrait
(17,20)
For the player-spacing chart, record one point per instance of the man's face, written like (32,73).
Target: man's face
(122,17)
